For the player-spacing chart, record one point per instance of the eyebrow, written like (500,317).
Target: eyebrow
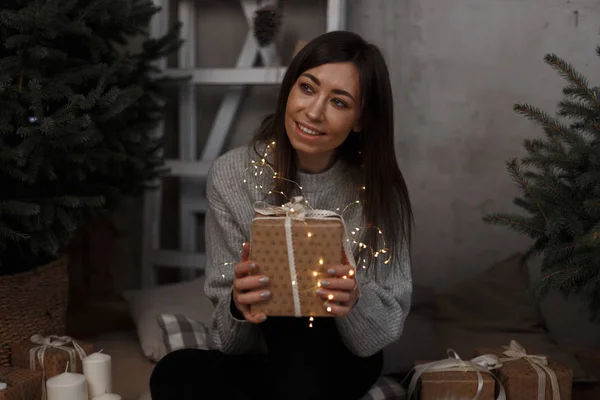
(336,91)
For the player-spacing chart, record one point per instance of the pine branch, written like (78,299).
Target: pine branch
(551,125)
(516,223)
(515,171)
(574,77)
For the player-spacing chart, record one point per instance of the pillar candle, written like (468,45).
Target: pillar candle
(67,386)
(98,372)
(108,396)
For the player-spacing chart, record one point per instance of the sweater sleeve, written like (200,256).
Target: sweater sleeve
(378,317)
(224,240)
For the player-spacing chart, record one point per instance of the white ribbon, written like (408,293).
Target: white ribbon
(57,342)
(515,351)
(485,363)
(297,210)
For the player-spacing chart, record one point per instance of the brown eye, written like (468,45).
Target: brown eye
(339,103)
(305,88)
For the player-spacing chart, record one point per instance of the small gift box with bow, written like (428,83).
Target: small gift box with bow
(454,378)
(294,246)
(530,376)
(20,384)
(50,355)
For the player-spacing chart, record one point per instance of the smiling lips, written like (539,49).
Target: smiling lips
(308,131)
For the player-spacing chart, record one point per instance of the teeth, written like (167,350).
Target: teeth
(309,131)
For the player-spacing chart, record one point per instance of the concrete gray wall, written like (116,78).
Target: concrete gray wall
(457,67)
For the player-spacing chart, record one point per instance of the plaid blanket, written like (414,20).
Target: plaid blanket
(181,332)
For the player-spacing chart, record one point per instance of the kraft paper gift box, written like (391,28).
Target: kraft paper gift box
(520,373)
(295,254)
(23,384)
(56,351)
(453,378)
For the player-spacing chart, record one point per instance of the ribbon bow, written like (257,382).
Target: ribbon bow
(482,364)
(295,208)
(57,342)
(515,351)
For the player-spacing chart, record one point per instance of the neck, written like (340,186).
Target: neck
(315,163)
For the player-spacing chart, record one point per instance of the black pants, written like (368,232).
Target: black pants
(302,363)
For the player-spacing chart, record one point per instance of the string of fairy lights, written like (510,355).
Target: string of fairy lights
(261,169)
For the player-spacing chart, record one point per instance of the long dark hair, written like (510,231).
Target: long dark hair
(385,200)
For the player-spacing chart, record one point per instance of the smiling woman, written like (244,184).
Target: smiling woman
(320,115)
(333,131)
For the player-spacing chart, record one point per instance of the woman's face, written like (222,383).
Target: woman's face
(322,108)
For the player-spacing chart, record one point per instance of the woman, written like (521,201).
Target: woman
(334,138)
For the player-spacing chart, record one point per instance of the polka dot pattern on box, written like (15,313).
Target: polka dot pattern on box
(314,240)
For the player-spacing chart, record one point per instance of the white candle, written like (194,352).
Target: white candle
(98,372)
(67,386)
(108,396)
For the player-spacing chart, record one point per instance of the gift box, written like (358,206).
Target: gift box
(520,373)
(23,384)
(295,251)
(56,352)
(454,384)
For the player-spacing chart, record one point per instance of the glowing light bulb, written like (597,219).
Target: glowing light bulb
(315,273)
(330,297)
(344,277)
(328,309)
(309,234)
(351,273)
(320,261)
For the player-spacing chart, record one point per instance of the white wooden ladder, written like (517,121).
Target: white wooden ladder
(189,167)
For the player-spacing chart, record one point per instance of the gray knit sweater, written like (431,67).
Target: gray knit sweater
(377,319)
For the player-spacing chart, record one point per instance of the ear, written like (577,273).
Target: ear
(357,125)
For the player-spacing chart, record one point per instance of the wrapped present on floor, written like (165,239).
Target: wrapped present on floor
(294,246)
(531,377)
(454,378)
(20,384)
(50,355)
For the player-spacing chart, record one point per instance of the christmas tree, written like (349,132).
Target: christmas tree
(559,183)
(78,112)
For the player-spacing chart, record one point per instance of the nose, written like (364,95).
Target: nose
(315,109)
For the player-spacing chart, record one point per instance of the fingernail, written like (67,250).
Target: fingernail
(264,279)
(320,292)
(325,283)
(252,266)
(265,294)
(331,271)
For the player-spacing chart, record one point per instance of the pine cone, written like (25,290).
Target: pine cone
(267,21)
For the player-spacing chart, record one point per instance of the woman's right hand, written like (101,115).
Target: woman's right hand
(249,289)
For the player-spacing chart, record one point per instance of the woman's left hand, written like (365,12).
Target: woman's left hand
(339,289)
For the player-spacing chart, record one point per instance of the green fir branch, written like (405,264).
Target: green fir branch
(573,76)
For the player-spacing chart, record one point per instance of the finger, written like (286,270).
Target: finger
(336,309)
(250,283)
(338,284)
(254,297)
(244,268)
(245,251)
(341,270)
(255,318)
(334,295)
